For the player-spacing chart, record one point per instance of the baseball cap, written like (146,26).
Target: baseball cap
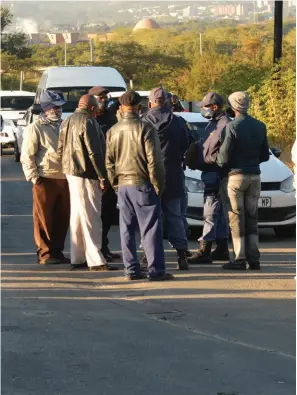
(98,90)
(157,94)
(130,98)
(50,99)
(211,98)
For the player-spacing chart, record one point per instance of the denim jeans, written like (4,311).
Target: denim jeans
(174,220)
(240,194)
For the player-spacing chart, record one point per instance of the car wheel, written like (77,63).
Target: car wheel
(285,231)
(17,155)
(1,150)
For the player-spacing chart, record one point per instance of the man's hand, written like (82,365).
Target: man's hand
(37,181)
(103,185)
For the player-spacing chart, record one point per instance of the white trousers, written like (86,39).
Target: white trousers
(85,221)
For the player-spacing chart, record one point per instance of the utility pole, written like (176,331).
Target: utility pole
(200,41)
(65,54)
(278,30)
(22,80)
(254,12)
(92,51)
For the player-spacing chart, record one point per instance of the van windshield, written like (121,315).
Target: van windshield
(16,103)
(72,95)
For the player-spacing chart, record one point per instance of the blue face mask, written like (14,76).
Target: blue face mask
(207,112)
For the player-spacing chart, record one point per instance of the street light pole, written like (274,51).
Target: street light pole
(92,50)
(278,31)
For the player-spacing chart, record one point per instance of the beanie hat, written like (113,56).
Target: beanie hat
(239,101)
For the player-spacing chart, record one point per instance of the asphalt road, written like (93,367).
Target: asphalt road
(209,332)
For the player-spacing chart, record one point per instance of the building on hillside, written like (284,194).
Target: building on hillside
(148,24)
(71,38)
(56,38)
(37,38)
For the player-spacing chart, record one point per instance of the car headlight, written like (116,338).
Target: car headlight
(288,185)
(194,186)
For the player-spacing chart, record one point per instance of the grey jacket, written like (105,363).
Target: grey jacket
(39,151)
(245,146)
(81,147)
(133,154)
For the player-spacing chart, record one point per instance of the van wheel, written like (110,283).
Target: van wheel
(285,231)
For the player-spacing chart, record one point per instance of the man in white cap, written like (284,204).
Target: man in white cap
(245,146)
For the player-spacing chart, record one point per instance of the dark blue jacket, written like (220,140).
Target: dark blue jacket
(173,135)
(245,146)
(211,145)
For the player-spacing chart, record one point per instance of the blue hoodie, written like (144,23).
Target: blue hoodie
(173,135)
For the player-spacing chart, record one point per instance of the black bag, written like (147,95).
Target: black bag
(194,157)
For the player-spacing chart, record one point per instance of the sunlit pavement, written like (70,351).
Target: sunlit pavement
(209,332)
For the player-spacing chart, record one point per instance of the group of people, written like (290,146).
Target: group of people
(82,167)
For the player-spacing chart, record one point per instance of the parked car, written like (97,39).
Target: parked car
(14,104)
(7,138)
(277,205)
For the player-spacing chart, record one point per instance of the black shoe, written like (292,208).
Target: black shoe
(107,257)
(182,260)
(221,253)
(103,268)
(163,277)
(49,261)
(78,266)
(182,264)
(131,277)
(203,255)
(64,259)
(237,265)
(110,256)
(254,266)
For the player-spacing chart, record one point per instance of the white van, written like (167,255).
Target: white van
(72,82)
(14,104)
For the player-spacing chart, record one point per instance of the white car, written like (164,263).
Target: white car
(7,138)
(277,205)
(14,104)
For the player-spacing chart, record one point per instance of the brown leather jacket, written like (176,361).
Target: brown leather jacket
(81,147)
(133,154)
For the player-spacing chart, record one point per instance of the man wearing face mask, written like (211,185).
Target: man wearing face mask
(106,118)
(215,222)
(51,204)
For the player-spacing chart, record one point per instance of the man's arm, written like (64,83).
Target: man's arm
(155,160)
(93,142)
(226,150)
(264,154)
(110,163)
(28,154)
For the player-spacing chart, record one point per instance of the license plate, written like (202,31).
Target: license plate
(264,202)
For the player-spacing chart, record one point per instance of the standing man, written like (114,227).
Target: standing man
(136,170)
(244,148)
(82,151)
(215,221)
(41,166)
(173,135)
(106,118)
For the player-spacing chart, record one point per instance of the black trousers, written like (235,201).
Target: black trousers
(108,215)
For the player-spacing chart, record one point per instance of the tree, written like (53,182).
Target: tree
(13,43)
